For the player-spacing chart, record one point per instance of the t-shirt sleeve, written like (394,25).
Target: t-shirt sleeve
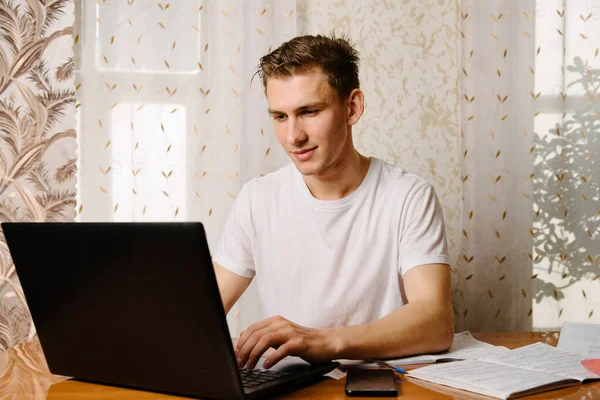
(234,250)
(423,233)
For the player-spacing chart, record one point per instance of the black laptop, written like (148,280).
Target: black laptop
(137,305)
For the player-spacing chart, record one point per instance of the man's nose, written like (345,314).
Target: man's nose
(295,134)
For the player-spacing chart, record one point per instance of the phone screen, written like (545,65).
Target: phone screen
(371,382)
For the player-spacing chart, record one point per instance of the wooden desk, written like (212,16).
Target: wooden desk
(24,375)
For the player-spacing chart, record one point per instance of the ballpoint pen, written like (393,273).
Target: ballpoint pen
(386,365)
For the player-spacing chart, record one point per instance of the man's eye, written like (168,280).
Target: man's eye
(279,117)
(310,112)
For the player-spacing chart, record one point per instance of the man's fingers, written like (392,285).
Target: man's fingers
(283,351)
(243,352)
(244,335)
(266,341)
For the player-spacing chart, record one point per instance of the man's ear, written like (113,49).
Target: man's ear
(356,106)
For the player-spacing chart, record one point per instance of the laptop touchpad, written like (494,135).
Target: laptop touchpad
(288,364)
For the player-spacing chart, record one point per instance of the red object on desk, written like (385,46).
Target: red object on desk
(593,365)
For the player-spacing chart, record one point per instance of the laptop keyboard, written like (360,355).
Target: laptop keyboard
(255,377)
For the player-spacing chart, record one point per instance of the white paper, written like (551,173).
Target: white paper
(580,338)
(543,357)
(336,374)
(594,352)
(491,379)
(464,347)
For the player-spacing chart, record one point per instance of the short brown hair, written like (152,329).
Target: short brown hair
(337,57)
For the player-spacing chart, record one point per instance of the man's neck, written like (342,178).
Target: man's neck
(341,180)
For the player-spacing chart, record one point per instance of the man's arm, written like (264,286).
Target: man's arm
(231,286)
(425,324)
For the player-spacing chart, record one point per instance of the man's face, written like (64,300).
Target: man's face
(310,121)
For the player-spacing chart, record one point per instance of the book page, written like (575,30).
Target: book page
(543,357)
(464,347)
(580,338)
(490,379)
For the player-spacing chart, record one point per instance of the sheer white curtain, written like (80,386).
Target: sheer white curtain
(497,50)
(170,127)
(566,194)
(529,90)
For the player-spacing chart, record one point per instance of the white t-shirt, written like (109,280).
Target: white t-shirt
(326,263)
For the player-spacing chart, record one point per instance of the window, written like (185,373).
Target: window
(139,84)
(567,176)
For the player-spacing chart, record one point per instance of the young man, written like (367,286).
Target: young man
(349,253)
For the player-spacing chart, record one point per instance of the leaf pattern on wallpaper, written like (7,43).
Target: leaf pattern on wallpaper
(33,104)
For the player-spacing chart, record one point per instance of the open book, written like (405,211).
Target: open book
(523,371)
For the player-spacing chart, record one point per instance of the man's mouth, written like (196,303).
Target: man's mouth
(304,154)
(304,150)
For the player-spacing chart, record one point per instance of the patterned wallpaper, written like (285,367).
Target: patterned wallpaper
(37,139)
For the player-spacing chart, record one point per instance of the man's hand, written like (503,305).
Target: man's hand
(313,345)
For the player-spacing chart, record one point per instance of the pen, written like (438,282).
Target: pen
(386,365)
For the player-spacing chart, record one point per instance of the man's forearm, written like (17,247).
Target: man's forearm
(416,328)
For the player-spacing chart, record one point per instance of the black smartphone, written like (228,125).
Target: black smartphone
(371,383)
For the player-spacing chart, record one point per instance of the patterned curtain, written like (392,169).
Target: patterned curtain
(496,118)
(529,109)
(37,139)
